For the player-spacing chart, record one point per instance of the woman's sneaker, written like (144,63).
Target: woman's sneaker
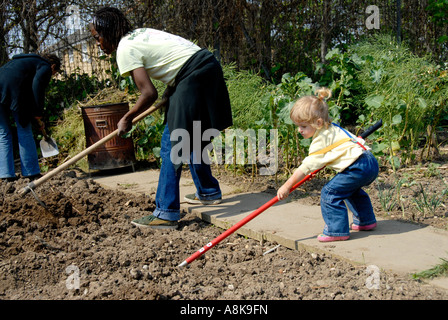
(154,223)
(192,199)
(364,228)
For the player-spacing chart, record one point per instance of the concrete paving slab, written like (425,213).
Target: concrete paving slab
(394,246)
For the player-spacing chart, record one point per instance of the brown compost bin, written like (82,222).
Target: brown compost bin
(99,121)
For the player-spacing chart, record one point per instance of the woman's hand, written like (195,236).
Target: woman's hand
(147,97)
(124,126)
(40,125)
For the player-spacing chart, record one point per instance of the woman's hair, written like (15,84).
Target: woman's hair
(111,24)
(312,108)
(53,59)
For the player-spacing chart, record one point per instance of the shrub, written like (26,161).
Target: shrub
(408,92)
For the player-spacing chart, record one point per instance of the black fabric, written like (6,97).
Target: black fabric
(23,81)
(200,94)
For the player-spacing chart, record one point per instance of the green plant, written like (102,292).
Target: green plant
(61,94)
(436,271)
(246,91)
(392,197)
(70,135)
(387,197)
(147,135)
(408,92)
(341,78)
(432,170)
(426,203)
(124,84)
(439,11)
(276,109)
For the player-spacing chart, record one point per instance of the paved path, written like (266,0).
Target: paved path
(395,246)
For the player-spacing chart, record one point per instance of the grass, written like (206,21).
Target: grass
(439,270)
(128,185)
(70,136)
(246,90)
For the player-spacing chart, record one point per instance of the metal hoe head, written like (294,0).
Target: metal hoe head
(48,147)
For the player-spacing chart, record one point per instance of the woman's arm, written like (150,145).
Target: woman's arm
(147,98)
(40,83)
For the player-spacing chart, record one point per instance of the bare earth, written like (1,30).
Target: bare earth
(83,247)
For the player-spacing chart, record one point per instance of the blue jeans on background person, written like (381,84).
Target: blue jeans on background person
(343,191)
(168,196)
(29,160)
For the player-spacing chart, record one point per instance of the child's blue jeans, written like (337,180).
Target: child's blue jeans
(167,196)
(27,147)
(343,191)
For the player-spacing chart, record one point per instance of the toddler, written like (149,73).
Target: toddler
(355,165)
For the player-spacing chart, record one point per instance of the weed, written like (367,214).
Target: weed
(432,170)
(436,271)
(387,198)
(426,203)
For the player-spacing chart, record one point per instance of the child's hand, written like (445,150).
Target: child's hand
(283,192)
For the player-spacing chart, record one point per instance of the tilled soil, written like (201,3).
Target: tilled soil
(83,246)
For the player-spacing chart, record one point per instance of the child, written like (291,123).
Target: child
(355,164)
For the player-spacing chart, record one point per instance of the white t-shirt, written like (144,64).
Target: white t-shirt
(160,53)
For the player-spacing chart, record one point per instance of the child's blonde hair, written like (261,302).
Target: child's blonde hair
(312,108)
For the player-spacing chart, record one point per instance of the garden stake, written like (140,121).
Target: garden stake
(82,154)
(268,204)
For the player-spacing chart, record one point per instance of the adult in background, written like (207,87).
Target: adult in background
(196,93)
(23,81)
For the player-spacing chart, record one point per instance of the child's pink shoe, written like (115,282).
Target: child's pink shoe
(364,228)
(324,238)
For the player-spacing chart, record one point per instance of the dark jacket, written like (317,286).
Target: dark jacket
(23,81)
(200,94)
